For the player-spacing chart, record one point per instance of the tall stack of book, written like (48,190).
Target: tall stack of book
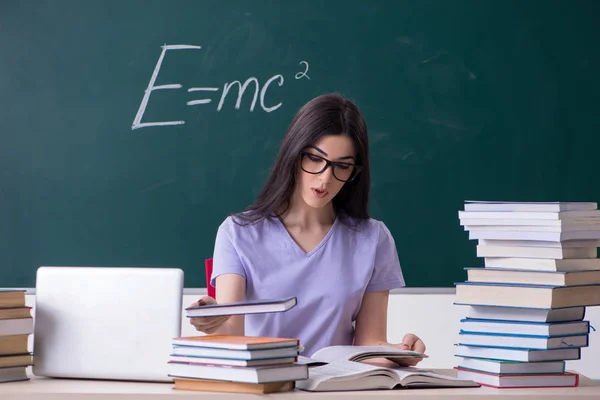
(238,364)
(526,306)
(16,324)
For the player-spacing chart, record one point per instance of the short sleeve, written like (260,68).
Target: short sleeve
(387,273)
(225,258)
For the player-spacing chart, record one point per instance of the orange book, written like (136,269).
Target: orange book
(15,312)
(232,387)
(13,344)
(12,298)
(235,342)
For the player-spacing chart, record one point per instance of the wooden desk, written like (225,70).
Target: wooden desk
(69,389)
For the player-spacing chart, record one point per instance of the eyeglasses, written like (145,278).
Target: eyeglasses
(314,164)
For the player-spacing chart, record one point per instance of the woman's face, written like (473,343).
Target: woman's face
(318,188)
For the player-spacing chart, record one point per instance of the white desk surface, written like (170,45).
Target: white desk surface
(70,389)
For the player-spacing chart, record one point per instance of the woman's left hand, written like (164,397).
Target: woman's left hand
(413,343)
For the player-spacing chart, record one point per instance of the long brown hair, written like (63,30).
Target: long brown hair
(329,114)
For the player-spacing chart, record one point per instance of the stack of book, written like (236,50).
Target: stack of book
(16,324)
(238,364)
(526,306)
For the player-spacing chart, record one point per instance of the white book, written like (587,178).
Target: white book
(511,367)
(242,307)
(525,327)
(522,355)
(531,296)
(208,352)
(540,243)
(522,342)
(539,236)
(536,252)
(21,326)
(541,264)
(338,368)
(551,206)
(580,222)
(532,277)
(264,374)
(525,314)
(567,379)
(532,228)
(528,215)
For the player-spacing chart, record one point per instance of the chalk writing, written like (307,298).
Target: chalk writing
(204,92)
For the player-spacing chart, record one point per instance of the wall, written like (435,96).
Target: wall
(436,320)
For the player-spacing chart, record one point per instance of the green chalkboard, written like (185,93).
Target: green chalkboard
(123,141)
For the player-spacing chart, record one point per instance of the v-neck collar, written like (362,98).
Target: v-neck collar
(298,248)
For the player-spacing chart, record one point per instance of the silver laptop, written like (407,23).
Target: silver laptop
(106,323)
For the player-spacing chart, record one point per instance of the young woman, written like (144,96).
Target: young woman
(309,235)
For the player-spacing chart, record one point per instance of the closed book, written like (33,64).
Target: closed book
(522,341)
(232,362)
(15,312)
(12,298)
(13,344)
(279,373)
(244,307)
(530,206)
(232,387)
(536,252)
(234,354)
(533,296)
(566,379)
(523,276)
(235,342)
(522,355)
(592,236)
(543,264)
(13,374)
(538,228)
(547,215)
(525,327)
(20,326)
(511,367)
(539,243)
(16,360)
(563,224)
(525,313)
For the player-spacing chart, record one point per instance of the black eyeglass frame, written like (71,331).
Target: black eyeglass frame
(328,163)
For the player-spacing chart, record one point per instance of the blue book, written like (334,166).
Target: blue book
(525,277)
(522,341)
(525,328)
(521,355)
(242,307)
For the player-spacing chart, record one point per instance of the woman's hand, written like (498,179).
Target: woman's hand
(208,325)
(413,343)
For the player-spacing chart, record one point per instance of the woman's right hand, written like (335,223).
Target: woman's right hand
(208,325)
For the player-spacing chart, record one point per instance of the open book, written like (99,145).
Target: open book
(338,368)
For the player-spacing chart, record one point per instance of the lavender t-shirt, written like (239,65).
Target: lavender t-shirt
(329,282)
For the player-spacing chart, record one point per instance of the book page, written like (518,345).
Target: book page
(344,371)
(359,353)
(425,377)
